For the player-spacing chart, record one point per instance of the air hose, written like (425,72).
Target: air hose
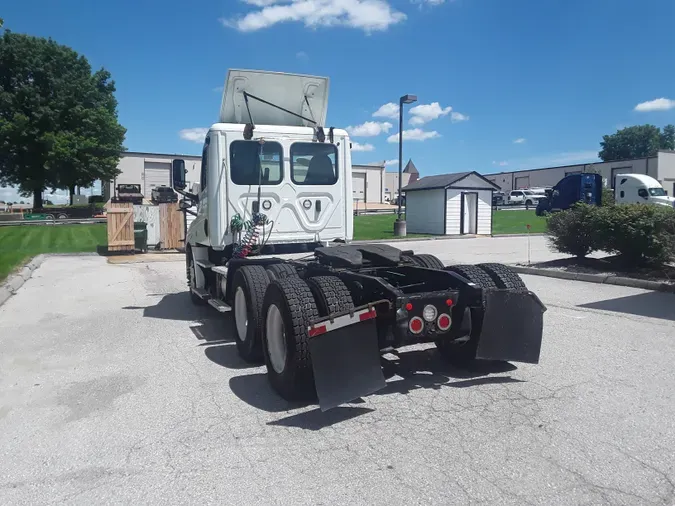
(252,227)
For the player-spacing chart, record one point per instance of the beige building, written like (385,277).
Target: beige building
(661,167)
(410,175)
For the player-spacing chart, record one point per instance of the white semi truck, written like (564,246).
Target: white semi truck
(272,174)
(640,189)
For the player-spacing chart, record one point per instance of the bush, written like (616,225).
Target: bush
(608,197)
(571,231)
(640,234)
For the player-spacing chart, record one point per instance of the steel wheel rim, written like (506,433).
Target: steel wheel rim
(240,314)
(276,339)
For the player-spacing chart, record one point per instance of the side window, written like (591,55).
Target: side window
(203,178)
(253,163)
(643,193)
(314,163)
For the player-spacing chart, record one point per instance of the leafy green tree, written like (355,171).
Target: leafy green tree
(58,120)
(636,142)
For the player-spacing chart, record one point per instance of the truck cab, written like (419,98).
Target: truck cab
(585,188)
(640,189)
(271,174)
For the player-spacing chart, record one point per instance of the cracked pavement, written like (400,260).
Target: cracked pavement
(115,389)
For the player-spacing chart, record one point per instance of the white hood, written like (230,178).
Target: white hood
(664,201)
(304,95)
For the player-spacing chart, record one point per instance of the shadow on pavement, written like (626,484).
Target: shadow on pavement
(175,306)
(650,304)
(410,371)
(225,354)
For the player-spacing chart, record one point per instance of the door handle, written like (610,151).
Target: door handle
(318,206)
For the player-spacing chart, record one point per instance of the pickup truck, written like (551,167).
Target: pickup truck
(163,194)
(524,197)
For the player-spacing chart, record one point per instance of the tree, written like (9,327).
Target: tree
(58,121)
(636,142)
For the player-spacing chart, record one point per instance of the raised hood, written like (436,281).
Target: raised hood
(306,96)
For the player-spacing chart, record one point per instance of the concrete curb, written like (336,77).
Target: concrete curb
(443,238)
(16,281)
(597,278)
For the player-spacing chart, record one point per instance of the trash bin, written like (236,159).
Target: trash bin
(141,236)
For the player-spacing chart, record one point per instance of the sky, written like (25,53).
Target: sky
(500,85)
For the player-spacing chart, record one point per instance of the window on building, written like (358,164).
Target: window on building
(314,163)
(253,163)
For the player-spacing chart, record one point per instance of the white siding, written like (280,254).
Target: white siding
(424,212)
(485,212)
(453,206)
(453,211)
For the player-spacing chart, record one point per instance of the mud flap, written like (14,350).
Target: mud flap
(512,327)
(346,363)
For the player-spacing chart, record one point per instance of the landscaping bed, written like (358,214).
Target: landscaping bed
(612,265)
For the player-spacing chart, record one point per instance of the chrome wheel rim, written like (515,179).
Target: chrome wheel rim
(276,339)
(240,314)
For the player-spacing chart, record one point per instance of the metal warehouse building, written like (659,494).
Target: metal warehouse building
(661,167)
(369,182)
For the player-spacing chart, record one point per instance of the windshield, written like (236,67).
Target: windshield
(526,192)
(657,192)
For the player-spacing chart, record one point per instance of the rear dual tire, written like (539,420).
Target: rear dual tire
(290,305)
(249,288)
(488,276)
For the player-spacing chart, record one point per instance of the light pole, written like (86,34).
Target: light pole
(399,224)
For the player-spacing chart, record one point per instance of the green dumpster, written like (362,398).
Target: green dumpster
(141,236)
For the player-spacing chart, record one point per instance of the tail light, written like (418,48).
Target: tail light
(416,325)
(444,321)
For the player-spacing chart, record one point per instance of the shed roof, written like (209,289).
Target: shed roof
(445,181)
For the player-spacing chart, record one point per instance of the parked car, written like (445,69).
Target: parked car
(498,198)
(163,194)
(129,193)
(524,197)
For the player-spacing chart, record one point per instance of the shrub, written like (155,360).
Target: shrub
(639,233)
(608,197)
(571,231)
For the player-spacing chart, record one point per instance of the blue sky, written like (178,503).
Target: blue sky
(502,85)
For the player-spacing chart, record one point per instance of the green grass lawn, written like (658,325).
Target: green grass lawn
(19,244)
(381,226)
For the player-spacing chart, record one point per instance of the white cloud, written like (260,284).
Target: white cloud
(362,147)
(366,15)
(301,55)
(369,129)
(193,134)
(389,110)
(389,163)
(659,104)
(416,134)
(520,140)
(424,113)
(456,117)
(501,164)
(433,3)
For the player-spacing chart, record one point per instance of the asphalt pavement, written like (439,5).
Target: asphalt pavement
(115,389)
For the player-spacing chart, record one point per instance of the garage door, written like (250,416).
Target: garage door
(522,182)
(359,187)
(156,174)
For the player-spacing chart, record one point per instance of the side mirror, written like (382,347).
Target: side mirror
(184,204)
(178,172)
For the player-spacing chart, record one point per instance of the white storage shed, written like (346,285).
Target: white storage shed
(450,204)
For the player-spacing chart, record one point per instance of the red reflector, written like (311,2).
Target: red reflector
(416,325)
(449,302)
(316,331)
(444,322)
(408,306)
(368,316)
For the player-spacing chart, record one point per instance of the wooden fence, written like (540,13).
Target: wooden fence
(167,219)
(121,227)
